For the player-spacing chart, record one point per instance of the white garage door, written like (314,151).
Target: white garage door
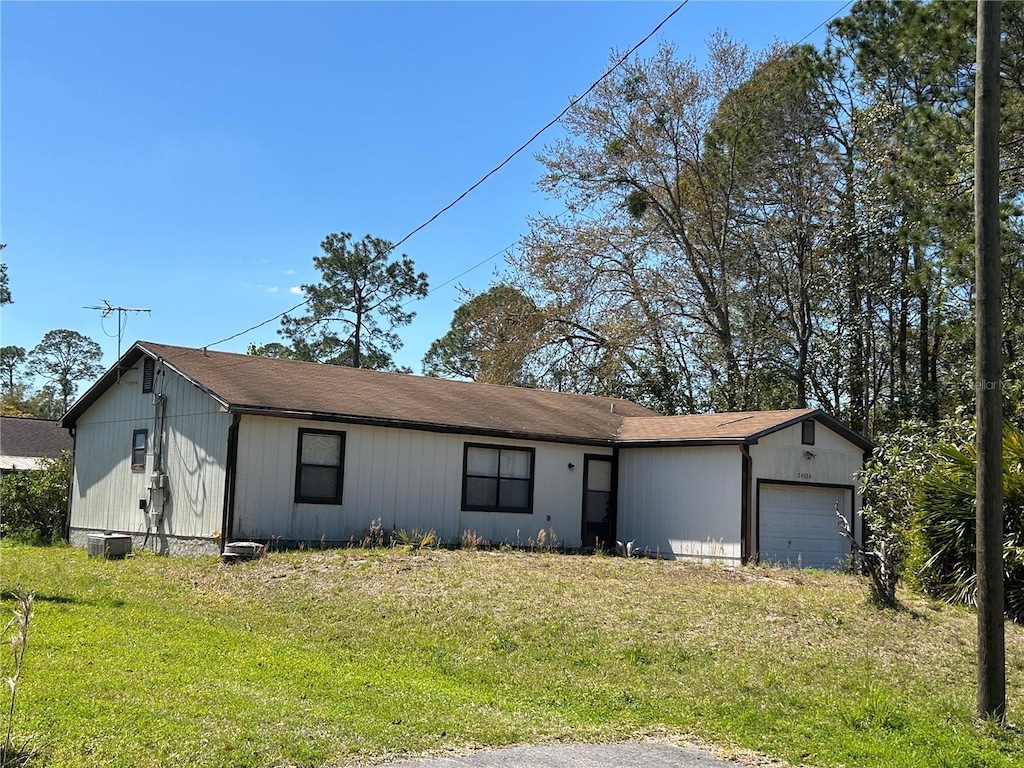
(798,525)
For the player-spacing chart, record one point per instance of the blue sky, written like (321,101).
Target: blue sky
(189,157)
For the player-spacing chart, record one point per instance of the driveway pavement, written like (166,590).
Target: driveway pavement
(628,755)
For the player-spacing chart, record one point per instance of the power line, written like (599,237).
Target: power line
(302,303)
(490,173)
(621,60)
(826,21)
(573,103)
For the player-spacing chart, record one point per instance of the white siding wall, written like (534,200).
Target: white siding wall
(106,491)
(407,478)
(780,456)
(681,502)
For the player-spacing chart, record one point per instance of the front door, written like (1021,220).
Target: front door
(598,509)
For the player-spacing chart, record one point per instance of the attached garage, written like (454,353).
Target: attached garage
(741,487)
(797,524)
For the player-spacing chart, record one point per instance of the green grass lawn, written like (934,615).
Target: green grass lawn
(324,658)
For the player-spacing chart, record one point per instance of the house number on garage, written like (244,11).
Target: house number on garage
(803,475)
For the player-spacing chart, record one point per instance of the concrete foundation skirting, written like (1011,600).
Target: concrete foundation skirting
(160,543)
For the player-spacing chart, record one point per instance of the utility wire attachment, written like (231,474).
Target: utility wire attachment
(122,320)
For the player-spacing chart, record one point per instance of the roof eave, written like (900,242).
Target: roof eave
(423,426)
(113,374)
(101,385)
(828,420)
(681,442)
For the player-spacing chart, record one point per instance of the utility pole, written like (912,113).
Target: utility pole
(122,319)
(988,369)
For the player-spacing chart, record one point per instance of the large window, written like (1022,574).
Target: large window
(139,450)
(319,467)
(497,479)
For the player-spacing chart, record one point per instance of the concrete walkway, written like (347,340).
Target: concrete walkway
(641,754)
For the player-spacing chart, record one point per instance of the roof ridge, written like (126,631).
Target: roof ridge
(372,371)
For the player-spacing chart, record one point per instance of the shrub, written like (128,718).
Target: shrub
(375,537)
(415,539)
(35,502)
(945,524)
(892,493)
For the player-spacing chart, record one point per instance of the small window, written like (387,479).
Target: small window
(497,479)
(319,467)
(148,366)
(139,450)
(807,432)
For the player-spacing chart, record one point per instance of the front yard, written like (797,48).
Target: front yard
(335,657)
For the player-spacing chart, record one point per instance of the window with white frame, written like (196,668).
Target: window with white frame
(139,437)
(497,478)
(319,467)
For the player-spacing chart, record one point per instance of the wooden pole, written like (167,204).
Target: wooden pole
(988,368)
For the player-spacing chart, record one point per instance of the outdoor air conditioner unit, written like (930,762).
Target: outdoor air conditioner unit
(241,550)
(109,545)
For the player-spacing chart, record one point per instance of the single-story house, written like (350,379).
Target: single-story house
(196,448)
(25,442)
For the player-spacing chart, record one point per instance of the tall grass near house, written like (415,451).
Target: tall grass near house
(17,631)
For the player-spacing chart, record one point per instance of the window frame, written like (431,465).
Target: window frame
(139,466)
(807,432)
(335,500)
(497,507)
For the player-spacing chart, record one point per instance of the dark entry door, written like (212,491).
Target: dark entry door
(598,510)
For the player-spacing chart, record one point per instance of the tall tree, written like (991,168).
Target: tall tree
(65,358)
(492,336)
(786,210)
(5,291)
(357,305)
(12,360)
(649,276)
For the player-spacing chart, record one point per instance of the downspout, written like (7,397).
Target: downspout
(613,502)
(71,484)
(231,465)
(745,517)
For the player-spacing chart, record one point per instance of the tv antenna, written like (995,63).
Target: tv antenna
(122,318)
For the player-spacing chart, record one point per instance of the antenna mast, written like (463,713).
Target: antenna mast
(122,319)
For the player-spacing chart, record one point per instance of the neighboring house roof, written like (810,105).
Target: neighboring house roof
(25,442)
(289,388)
(727,428)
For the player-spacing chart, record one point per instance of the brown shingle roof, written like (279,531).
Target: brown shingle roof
(727,427)
(32,437)
(246,383)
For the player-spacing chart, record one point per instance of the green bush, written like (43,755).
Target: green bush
(943,524)
(892,488)
(919,501)
(35,502)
